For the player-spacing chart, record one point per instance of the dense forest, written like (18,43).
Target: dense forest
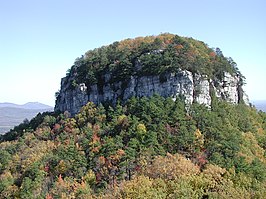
(147,148)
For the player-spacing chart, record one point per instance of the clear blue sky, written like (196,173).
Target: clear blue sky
(40,39)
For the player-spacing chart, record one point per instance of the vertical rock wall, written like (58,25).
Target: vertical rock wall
(182,83)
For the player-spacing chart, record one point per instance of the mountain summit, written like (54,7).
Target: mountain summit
(167,64)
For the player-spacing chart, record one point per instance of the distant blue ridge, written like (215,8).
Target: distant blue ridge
(260,104)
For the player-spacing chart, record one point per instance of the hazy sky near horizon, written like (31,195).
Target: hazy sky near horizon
(40,39)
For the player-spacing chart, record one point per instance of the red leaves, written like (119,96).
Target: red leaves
(98,177)
(212,54)
(201,160)
(46,168)
(178,47)
(49,196)
(60,179)
(56,128)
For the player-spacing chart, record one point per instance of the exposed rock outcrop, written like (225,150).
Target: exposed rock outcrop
(194,88)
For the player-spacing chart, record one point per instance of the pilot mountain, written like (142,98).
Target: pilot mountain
(152,117)
(167,65)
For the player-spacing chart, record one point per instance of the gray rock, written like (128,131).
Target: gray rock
(182,83)
(202,90)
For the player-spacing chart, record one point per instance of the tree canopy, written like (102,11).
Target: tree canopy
(146,148)
(151,55)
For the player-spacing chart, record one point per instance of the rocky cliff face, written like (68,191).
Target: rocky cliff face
(167,64)
(194,88)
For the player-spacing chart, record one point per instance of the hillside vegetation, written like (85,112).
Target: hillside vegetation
(147,148)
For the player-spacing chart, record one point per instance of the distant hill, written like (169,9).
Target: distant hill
(260,104)
(29,105)
(14,114)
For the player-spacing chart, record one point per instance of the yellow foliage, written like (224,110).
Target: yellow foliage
(141,187)
(171,167)
(198,134)
(120,152)
(86,114)
(141,128)
(6,182)
(70,188)
(101,118)
(10,192)
(89,177)
(6,144)
(228,190)
(199,142)
(250,148)
(133,44)
(121,118)
(214,174)
(61,167)
(32,153)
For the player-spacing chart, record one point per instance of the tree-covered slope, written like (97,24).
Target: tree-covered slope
(147,148)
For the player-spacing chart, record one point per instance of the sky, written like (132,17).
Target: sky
(40,39)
